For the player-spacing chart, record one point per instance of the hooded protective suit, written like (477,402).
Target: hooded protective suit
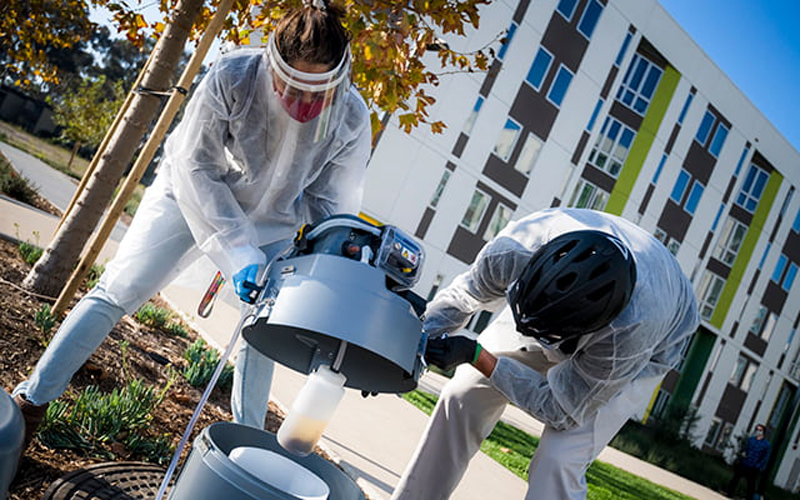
(238,176)
(583,397)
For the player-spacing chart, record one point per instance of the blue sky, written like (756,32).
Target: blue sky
(757,44)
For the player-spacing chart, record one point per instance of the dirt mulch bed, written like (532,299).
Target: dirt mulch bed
(147,356)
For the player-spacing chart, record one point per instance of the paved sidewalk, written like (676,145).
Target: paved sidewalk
(372,438)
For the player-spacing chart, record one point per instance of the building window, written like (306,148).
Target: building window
(539,68)
(481,321)
(713,433)
(769,326)
(758,321)
(661,235)
(694,197)
(788,280)
(719,140)
(437,282)
(587,195)
(705,128)
(560,85)
(566,8)
(475,210)
(685,108)
(639,84)
(708,292)
(779,267)
(659,169)
(724,437)
(623,49)
(591,14)
(501,216)
(509,36)
(743,373)
(673,247)
(612,146)
(680,187)
(730,241)
(796,223)
(440,188)
(764,256)
(716,218)
(473,115)
(507,140)
(741,160)
(528,155)
(596,111)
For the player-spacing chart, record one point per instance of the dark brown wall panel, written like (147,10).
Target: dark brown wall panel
(755,344)
(425,223)
(564,42)
(699,162)
(534,112)
(792,246)
(674,220)
(626,116)
(731,404)
(774,297)
(598,178)
(718,268)
(505,175)
(465,245)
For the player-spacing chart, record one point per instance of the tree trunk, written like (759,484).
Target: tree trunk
(75,149)
(53,269)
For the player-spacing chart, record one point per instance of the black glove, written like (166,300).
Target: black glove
(449,352)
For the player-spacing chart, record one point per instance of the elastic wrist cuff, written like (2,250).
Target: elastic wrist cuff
(478,349)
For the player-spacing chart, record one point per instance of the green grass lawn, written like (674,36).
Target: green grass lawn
(513,449)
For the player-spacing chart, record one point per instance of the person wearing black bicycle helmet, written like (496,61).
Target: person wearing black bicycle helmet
(593,312)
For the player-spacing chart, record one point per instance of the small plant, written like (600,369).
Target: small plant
(95,421)
(93,277)
(152,315)
(30,252)
(44,319)
(202,362)
(177,329)
(15,185)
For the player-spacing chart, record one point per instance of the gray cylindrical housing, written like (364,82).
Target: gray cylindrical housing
(12,435)
(321,300)
(209,474)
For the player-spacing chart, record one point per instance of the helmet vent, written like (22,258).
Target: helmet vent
(584,255)
(563,283)
(564,250)
(599,270)
(601,292)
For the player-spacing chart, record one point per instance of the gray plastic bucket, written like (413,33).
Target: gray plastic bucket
(209,474)
(12,434)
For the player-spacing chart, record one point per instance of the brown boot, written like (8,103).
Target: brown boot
(33,416)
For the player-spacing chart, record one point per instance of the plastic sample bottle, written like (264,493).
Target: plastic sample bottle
(311,410)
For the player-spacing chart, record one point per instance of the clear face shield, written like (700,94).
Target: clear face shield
(308,96)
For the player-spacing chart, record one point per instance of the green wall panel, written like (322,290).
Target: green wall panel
(693,368)
(746,251)
(643,141)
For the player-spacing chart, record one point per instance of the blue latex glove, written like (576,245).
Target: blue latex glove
(245,283)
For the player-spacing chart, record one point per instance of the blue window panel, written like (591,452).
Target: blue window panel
(741,161)
(541,63)
(705,128)
(651,81)
(478,104)
(627,138)
(779,267)
(694,197)
(764,257)
(680,187)
(719,214)
(509,36)
(748,181)
(788,281)
(623,49)
(659,168)
(596,111)
(796,223)
(567,8)
(638,74)
(591,14)
(614,130)
(685,108)
(761,181)
(560,85)
(719,140)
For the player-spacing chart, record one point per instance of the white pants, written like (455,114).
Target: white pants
(156,248)
(468,409)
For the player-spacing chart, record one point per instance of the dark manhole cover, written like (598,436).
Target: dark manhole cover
(108,481)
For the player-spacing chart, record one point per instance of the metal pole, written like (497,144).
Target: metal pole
(144,159)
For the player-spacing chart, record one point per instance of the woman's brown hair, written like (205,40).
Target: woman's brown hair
(313,35)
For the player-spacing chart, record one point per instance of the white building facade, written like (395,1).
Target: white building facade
(608,104)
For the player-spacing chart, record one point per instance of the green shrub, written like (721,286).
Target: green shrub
(30,253)
(203,360)
(14,185)
(97,420)
(152,315)
(93,277)
(177,329)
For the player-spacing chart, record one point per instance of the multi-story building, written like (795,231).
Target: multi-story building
(609,104)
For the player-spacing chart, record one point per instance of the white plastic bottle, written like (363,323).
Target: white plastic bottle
(311,410)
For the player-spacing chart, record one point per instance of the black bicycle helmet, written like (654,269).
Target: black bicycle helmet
(575,284)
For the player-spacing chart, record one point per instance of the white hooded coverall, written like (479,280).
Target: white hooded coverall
(239,177)
(583,398)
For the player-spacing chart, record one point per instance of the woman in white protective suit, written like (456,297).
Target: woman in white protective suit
(597,311)
(271,139)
